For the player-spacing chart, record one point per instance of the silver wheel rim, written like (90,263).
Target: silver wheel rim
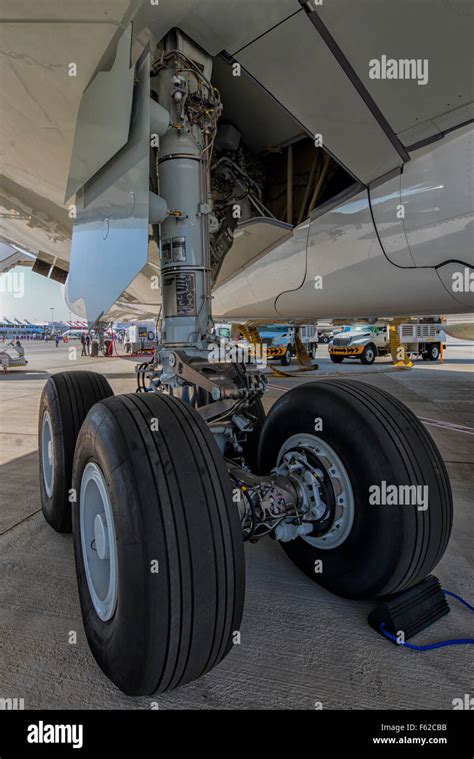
(47,454)
(369,354)
(99,548)
(344,496)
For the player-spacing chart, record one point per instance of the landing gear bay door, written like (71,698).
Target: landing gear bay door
(110,173)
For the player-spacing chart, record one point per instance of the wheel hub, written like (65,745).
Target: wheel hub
(296,465)
(323,482)
(99,549)
(101,537)
(47,454)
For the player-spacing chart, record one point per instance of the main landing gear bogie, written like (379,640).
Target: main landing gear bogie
(159,532)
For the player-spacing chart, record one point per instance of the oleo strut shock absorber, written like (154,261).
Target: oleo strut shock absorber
(183,170)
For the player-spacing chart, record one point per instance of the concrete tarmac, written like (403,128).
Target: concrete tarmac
(301,646)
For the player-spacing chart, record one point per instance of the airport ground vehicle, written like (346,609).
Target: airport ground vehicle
(367,341)
(278,339)
(12,356)
(223,331)
(270,341)
(425,339)
(168,483)
(140,338)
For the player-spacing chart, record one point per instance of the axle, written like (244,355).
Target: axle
(286,504)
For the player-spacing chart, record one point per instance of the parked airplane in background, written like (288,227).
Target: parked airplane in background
(173,156)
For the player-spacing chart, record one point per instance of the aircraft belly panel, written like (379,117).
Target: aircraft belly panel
(437,191)
(347,275)
(357,279)
(252,240)
(387,210)
(254,288)
(371,288)
(459,282)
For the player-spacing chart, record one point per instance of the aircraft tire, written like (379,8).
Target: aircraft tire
(65,402)
(164,609)
(365,546)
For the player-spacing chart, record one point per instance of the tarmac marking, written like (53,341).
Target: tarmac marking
(447,426)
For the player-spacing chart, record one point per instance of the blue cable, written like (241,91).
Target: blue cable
(441,644)
(458,598)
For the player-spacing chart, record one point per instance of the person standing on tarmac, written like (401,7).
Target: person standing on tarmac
(88,344)
(83,343)
(56,340)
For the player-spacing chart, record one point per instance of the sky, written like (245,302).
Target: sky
(26,295)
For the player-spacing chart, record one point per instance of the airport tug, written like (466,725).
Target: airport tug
(162,487)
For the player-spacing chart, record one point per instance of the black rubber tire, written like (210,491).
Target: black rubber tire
(336,358)
(378,438)
(171,498)
(286,359)
(67,396)
(434,352)
(369,354)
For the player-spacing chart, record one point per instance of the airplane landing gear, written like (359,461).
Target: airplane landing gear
(166,480)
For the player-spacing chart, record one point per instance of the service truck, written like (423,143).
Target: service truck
(367,341)
(278,339)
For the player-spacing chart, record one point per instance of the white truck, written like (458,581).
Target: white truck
(140,338)
(13,356)
(367,341)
